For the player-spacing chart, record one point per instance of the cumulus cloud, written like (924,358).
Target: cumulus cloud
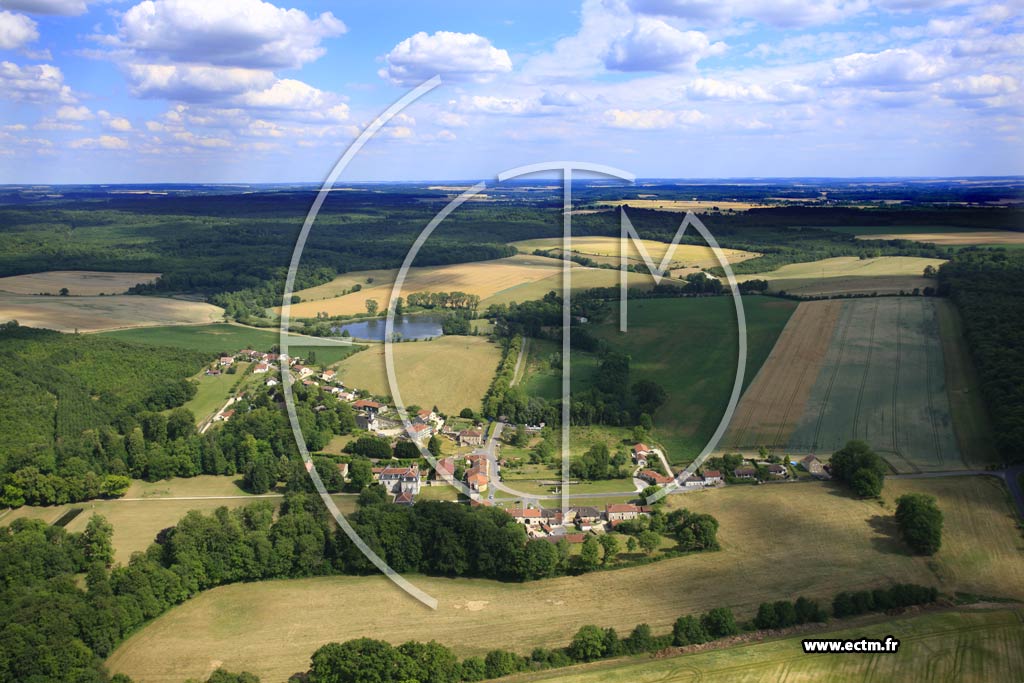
(452,120)
(985,85)
(118,123)
(733,91)
(70,113)
(33,83)
(489,104)
(240,33)
(654,45)
(289,94)
(890,68)
(192,82)
(651,119)
(16,30)
(456,56)
(102,142)
(62,7)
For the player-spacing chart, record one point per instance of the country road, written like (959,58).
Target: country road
(1010,475)
(519,362)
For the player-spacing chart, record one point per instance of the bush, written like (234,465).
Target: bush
(689,631)
(920,522)
(719,623)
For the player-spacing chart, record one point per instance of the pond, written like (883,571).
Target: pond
(418,326)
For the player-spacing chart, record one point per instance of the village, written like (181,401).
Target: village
(474,468)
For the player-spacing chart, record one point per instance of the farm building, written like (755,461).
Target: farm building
(260,368)
(777,471)
(371,407)
(694,482)
(712,477)
(620,512)
(745,473)
(813,465)
(652,477)
(227,360)
(471,437)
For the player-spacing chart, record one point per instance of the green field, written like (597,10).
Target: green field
(883,381)
(212,391)
(964,645)
(230,338)
(778,542)
(689,346)
(450,372)
(849,275)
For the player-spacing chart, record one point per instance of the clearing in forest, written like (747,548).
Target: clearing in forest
(849,275)
(608,250)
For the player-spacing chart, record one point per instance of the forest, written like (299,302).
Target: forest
(987,286)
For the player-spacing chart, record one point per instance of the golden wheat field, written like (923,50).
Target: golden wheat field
(78,282)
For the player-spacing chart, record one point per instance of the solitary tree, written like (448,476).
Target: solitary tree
(372,306)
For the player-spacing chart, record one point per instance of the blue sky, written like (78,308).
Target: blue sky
(251,91)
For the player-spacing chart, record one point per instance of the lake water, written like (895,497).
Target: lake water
(418,326)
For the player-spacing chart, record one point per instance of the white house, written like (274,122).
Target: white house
(400,479)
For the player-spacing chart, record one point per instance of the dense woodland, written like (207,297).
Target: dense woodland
(987,286)
(84,413)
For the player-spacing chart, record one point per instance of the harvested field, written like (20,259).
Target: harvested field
(450,372)
(950,239)
(812,525)
(94,313)
(849,275)
(607,249)
(78,282)
(483,278)
(883,381)
(775,401)
(683,205)
(582,278)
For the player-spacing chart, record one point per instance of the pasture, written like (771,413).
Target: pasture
(95,313)
(849,275)
(450,372)
(966,645)
(77,282)
(483,278)
(608,250)
(229,338)
(882,381)
(775,540)
(689,346)
(149,507)
(212,391)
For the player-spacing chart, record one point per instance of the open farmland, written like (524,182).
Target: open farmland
(582,278)
(947,236)
(775,400)
(683,205)
(94,313)
(483,278)
(689,346)
(608,249)
(149,507)
(812,526)
(77,282)
(882,381)
(230,338)
(966,645)
(849,275)
(450,372)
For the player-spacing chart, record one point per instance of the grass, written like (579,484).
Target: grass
(450,372)
(849,275)
(582,278)
(970,418)
(778,542)
(78,282)
(95,313)
(213,391)
(882,381)
(962,645)
(689,346)
(230,338)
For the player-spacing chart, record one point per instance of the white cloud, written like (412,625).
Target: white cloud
(70,113)
(452,120)
(16,30)
(651,119)
(782,13)
(61,7)
(102,142)
(654,45)
(207,142)
(118,123)
(191,82)
(889,68)
(455,56)
(488,104)
(289,94)
(240,33)
(985,85)
(33,83)
(712,89)
(445,135)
